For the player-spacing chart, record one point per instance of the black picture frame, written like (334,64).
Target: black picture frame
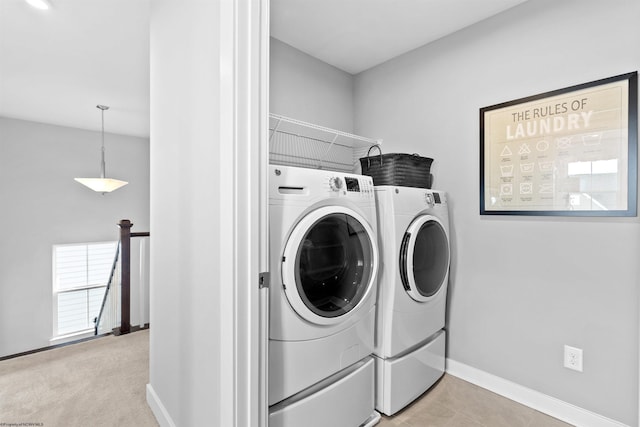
(567,152)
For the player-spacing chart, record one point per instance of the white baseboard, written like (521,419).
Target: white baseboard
(541,402)
(158,409)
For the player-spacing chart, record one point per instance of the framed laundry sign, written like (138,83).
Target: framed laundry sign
(572,151)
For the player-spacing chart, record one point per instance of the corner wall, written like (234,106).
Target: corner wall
(305,88)
(42,206)
(522,287)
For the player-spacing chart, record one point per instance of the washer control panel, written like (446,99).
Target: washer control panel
(290,183)
(335,183)
(352,183)
(345,185)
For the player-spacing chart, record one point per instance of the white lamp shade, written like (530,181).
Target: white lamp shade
(102,185)
(39,4)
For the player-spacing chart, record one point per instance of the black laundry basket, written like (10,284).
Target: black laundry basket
(401,169)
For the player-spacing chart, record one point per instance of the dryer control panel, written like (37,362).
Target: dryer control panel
(432,198)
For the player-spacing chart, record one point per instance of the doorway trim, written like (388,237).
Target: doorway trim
(244,62)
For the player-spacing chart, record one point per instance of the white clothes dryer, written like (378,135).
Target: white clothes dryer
(323,264)
(413,225)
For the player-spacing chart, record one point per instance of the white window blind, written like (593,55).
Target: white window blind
(80,276)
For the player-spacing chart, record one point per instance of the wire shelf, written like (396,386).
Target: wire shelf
(296,143)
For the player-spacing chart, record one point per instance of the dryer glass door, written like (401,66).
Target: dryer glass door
(332,258)
(424,258)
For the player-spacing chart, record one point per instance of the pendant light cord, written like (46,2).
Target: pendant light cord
(103,184)
(102,164)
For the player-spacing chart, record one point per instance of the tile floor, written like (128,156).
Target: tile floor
(453,402)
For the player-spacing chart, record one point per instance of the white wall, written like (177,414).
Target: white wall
(185,355)
(42,205)
(522,287)
(140,256)
(305,88)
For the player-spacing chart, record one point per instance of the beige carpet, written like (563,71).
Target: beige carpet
(102,382)
(99,382)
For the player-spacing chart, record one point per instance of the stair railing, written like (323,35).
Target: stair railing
(106,316)
(115,311)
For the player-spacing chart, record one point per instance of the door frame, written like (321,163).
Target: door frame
(244,114)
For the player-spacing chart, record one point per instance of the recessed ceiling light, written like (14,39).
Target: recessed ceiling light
(39,4)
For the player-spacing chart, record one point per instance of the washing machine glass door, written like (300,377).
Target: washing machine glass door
(329,264)
(424,258)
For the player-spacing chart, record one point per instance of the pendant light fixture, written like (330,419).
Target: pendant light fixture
(102,184)
(39,4)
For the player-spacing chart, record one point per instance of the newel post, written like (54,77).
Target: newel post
(125,279)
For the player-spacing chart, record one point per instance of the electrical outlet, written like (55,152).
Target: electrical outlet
(573,358)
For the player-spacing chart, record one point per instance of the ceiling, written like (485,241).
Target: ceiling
(57,65)
(355,35)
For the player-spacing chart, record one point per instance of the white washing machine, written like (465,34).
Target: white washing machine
(323,264)
(413,226)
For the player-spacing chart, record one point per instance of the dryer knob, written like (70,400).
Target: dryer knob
(335,183)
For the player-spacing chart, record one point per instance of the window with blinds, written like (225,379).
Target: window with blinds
(80,276)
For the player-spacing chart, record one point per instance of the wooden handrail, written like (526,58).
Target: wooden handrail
(125,271)
(125,282)
(124,249)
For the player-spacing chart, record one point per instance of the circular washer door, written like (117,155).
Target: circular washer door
(329,264)
(424,258)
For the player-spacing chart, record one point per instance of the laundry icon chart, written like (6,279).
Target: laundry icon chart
(506,151)
(506,189)
(542,145)
(545,189)
(524,149)
(506,170)
(526,167)
(563,143)
(545,166)
(526,188)
(592,139)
